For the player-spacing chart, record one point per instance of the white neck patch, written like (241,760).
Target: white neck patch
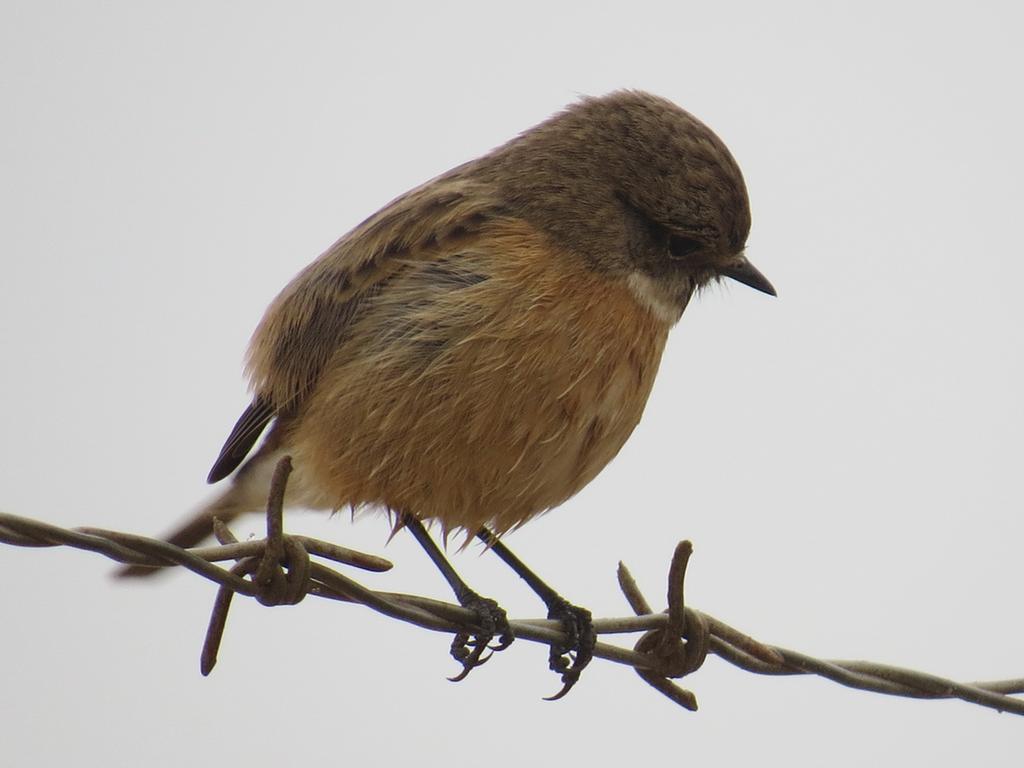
(650,294)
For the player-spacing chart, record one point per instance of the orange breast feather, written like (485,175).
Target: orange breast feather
(482,389)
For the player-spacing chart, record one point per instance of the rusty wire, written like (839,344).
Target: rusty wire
(278,570)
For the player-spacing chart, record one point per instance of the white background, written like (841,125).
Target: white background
(846,458)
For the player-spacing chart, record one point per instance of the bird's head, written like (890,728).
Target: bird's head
(638,187)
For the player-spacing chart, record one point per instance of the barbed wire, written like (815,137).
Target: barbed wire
(277,570)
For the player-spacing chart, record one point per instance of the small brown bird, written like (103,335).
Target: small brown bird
(478,350)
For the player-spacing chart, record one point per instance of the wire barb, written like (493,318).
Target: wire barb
(278,570)
(280,574)
(680,646)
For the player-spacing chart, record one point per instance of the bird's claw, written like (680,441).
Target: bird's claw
(569,658)
(468,647)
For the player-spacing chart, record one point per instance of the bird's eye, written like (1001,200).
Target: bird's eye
(679,246)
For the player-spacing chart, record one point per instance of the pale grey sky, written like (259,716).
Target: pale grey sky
(846,458)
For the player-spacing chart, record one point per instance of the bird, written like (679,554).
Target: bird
(478,350)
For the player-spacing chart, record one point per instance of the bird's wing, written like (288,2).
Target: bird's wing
(307,322)
(246,431)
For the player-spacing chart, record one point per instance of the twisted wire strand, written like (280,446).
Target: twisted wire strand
(674,643)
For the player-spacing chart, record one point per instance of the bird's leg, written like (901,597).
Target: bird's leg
(569,658)
(467,648)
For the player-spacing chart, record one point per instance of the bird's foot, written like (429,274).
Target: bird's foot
(570,658)
(468,647)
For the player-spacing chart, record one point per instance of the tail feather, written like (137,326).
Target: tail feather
(234,501)
(247,493)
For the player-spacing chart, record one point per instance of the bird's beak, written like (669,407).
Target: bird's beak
(744,272)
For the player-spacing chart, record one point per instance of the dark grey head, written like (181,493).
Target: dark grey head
(635,185)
